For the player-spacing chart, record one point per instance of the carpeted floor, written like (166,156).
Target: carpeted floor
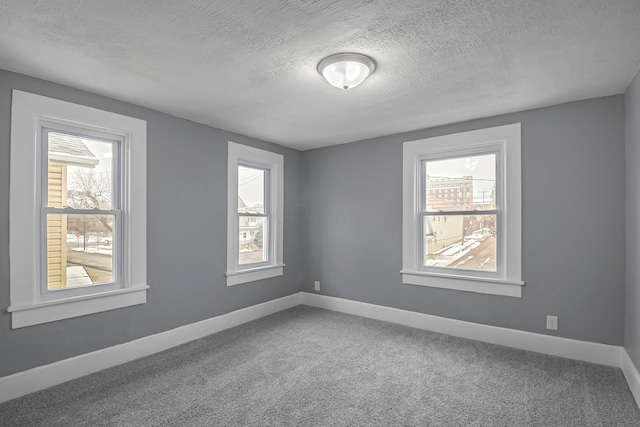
(311,367)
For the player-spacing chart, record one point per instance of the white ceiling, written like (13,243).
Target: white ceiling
(249,66)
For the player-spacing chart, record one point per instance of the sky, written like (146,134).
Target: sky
(251,185)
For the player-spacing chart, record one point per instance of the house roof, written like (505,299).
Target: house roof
(70,150)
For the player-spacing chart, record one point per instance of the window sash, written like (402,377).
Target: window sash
(45,293)
(423,188)
(116,162)
(266,195)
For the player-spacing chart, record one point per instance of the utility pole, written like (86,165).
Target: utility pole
(483,191)
(462,241)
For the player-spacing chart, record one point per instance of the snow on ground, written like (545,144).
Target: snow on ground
(94,245)
(95,250)
(456,251)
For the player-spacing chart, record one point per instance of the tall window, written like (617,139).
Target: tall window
(81,247)
(81,208)
(255,223)
(254,216)
(467,237)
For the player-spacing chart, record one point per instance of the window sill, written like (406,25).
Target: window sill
(482,285)
(251,275)
(50,311)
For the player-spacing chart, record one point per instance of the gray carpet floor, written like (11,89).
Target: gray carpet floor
(312,367)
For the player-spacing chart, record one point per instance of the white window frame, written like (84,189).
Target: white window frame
(506,141)
(243,155)
(30,305)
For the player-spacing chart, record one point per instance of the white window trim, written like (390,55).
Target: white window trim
(509,282)
(28,307)
(275,163)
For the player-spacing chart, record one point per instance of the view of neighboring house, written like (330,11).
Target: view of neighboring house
(64,150)
(249,225)
(251,233)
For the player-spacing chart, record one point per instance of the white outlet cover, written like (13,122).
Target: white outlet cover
(552,323)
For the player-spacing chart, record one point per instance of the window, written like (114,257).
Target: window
(81,247)
(80,210)
(254,221)
(470,243)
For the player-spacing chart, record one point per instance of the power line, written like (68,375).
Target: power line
(250,176)
(252,179)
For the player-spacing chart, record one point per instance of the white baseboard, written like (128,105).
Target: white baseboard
(564,347)
(29,381)
(631,374)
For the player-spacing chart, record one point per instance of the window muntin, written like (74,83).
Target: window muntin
(465,234)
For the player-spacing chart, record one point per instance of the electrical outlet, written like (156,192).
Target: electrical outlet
(552,323)
(316,286)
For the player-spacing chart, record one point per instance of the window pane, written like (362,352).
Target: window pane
(80,172)
(79,250)
(466,242)
(253,240)
(461,183)
(251,190)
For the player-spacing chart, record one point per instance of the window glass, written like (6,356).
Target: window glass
(465,242)
(79,250)
(252,242)
(251,190)
(80,172)
(470,183)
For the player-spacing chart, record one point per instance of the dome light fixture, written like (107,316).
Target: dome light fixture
(346,70)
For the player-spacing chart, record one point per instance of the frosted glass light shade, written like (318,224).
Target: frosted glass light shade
(346,70)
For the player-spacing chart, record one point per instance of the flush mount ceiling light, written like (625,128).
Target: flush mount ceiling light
(346,70)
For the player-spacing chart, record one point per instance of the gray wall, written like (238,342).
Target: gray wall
(573,224)
(186,228)
(632,300)
(343,208)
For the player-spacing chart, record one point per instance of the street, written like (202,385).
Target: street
(482,257)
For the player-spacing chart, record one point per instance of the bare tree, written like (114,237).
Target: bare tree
(89,189)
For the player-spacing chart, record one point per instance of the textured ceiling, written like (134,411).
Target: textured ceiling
(250,66)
